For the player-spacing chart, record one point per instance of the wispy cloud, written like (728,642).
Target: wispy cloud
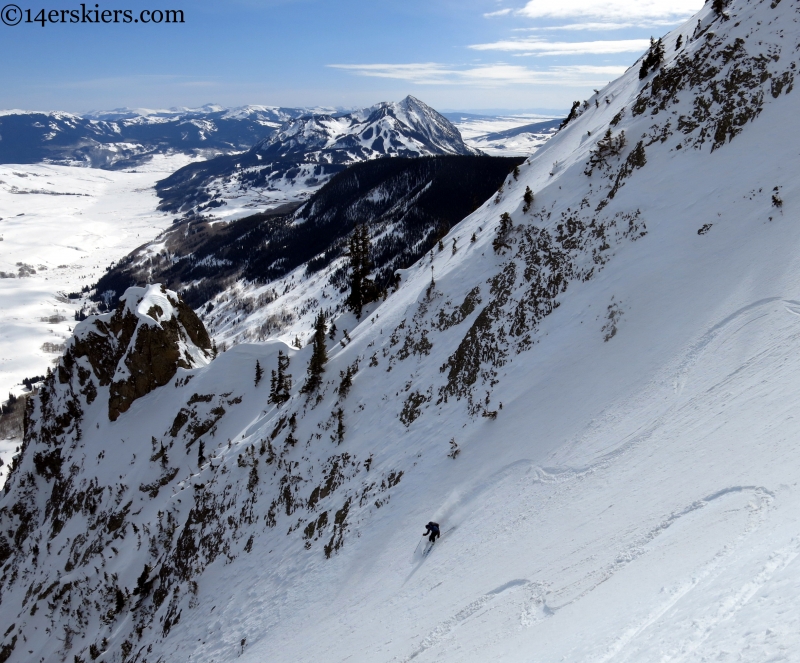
(597,26)
(499,12)
(534,46)
(612,10)
(489,75)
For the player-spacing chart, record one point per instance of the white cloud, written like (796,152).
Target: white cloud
(534,46)
(490,75)
(499,12)
(613,10)
(597,26)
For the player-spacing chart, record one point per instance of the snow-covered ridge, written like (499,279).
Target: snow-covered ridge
(127,138)
(596,398)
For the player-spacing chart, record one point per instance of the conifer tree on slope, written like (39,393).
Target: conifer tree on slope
(319,355)
(281,381)
(362,289)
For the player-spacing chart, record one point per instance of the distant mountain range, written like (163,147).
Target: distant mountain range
(253,158)
(405,128)
(123,138)
(307,151)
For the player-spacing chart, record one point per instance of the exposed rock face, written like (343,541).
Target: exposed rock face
(140,345)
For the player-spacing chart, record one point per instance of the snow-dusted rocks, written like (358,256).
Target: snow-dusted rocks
(138,346)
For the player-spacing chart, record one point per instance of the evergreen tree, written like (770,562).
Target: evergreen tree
(259,372)
(528,199)
(346,383)
(201,456)
(658,53)
(281,381)
(431,287)
(653,59)
(142,586)
(273,386)
(573,113)
(499,242)
(340,426)
(719,7)
(119,600)
(362,289)
(319,356)
(637,157)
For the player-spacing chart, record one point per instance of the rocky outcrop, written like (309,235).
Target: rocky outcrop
(140,345)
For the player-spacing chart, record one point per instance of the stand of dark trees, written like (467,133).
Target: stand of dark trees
(407,204)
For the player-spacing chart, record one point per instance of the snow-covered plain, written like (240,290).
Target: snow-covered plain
(477,132)
(67,224)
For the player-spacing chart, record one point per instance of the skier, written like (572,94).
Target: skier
(431,528)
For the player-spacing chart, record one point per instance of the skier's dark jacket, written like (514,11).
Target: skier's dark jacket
(432,528)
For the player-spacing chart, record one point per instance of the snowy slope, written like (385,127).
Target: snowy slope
(634,498)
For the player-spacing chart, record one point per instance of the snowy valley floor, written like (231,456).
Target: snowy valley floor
(67,224)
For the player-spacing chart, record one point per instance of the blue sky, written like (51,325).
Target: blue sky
(466,55)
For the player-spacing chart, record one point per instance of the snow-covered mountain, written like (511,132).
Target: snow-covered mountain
(406,128)
(306,152)
(595,399)
(125,138)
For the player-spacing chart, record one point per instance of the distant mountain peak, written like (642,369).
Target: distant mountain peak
(417,130)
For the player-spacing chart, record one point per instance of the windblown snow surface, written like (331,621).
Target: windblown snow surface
(635,498)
